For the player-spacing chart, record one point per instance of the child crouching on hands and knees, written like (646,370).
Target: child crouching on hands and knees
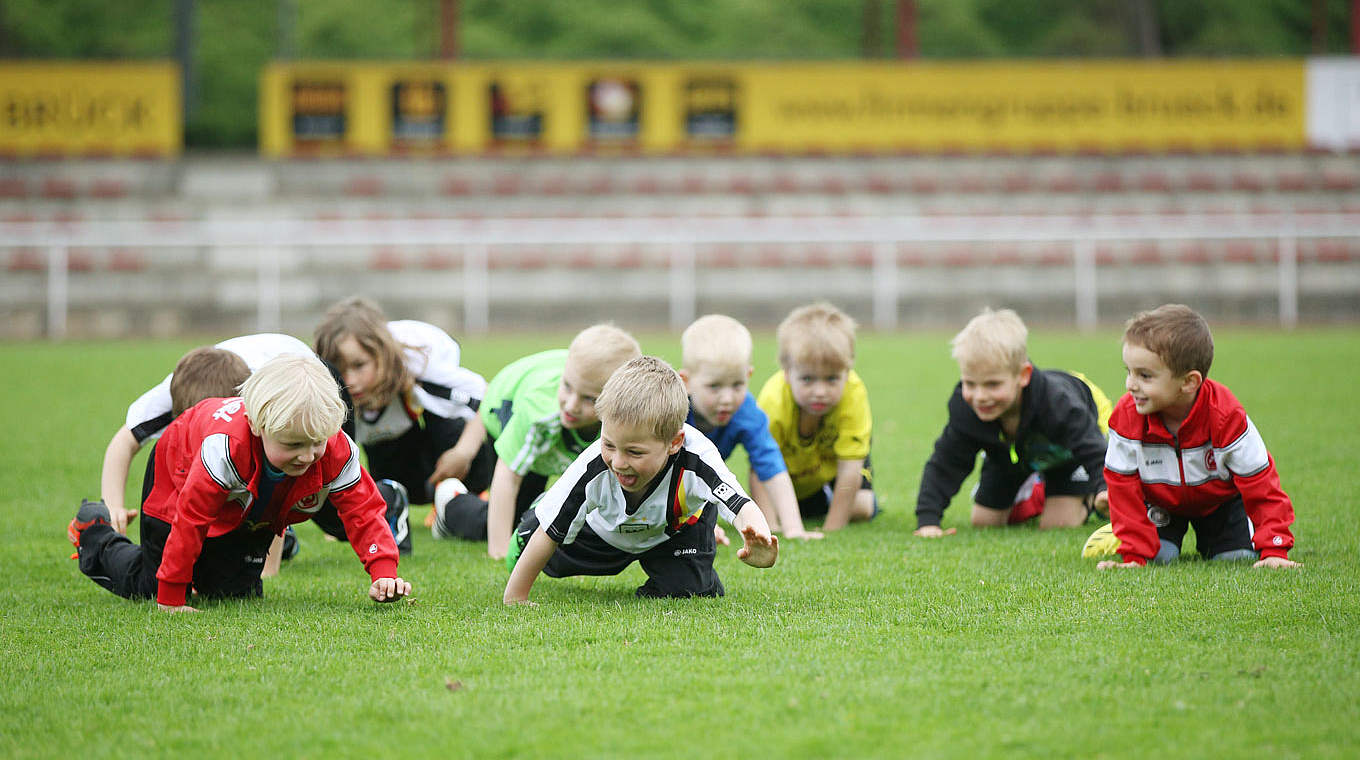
(819,415)
(1041,432)
(232,473)
(1183,453)
(650,489)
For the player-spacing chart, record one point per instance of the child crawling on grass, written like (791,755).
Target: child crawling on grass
(649,490)
(229,475)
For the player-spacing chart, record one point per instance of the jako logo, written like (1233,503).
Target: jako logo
(683,552)
(225,411)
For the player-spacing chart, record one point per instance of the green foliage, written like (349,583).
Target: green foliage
(234,39)
(871,643)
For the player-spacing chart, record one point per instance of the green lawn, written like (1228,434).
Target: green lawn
(870,643)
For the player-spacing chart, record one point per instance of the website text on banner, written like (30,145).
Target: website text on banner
(1013,107)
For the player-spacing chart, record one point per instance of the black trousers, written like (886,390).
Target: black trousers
(1223,530)
(465,515)
(679,567)
(410,459)
(229,565)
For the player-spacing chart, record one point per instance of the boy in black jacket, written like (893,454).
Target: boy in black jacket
(1041,433)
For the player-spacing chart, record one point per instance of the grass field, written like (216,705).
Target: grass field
(870,643)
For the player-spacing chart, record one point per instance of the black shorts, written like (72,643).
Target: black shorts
(679,567)
(1223,530)
(819,503)
(999,482)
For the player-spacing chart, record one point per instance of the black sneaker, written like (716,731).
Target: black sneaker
(398,513)
(90,513)
(291,547)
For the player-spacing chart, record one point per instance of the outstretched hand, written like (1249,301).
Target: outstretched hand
(720,536)
(1276,562)
(388,589)
(758,549)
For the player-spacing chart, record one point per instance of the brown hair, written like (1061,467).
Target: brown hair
(205,372)
(646,392)
(1177,334)
(359,318)
(817,336)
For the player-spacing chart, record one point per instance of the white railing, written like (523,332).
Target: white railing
(682,236)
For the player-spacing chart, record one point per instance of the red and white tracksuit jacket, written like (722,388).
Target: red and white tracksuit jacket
(207,476)
(1216,455)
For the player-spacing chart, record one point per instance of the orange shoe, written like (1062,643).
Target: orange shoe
(90,513)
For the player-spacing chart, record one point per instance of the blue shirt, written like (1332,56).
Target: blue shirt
(751,428)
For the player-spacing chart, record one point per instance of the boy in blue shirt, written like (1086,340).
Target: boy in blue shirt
(716,367)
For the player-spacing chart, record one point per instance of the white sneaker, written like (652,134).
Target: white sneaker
(447,490)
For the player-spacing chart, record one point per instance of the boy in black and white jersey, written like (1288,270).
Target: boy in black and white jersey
(650,489)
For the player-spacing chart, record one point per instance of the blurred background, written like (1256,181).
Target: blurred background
(178,167)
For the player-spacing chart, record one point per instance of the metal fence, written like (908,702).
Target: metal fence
(681,238)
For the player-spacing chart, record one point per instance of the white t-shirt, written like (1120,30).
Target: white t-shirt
(150,413)
(589,493)
(441,387)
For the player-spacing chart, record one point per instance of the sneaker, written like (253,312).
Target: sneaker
(1101,543)
(398,513)
(90,513)
(447,490)
(291,547)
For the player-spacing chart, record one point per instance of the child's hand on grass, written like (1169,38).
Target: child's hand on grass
(1277,562)
(933,531)
(758,549)
(173,608)
(1111,564)
(806,535)
(388,589)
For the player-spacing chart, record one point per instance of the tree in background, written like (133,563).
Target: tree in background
(234,39)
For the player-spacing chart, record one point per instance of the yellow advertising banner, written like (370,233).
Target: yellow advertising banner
(90,109)
(1014,107)
(1026,107)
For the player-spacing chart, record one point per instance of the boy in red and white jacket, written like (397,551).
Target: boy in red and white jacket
(1183,453)
(232,473)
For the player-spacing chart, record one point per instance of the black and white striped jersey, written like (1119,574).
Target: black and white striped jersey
(694,479)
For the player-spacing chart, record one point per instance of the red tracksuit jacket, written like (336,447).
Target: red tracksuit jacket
(207,476)
(1216,455)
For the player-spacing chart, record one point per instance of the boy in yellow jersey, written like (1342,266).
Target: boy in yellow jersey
(819,415)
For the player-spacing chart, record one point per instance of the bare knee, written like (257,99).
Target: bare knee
(986,517)
(1062,512)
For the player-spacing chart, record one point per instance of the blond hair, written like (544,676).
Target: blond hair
(359,318)
(817,336)
(992,339)
(293,393)
(1177,334)
(715,340)
(600,349)
(646,392)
